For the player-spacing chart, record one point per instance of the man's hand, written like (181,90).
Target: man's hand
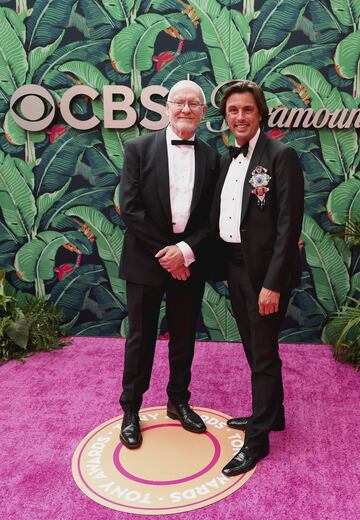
(170,258)
(182,273)
(268,301)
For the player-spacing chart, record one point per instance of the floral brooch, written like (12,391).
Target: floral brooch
(259,181)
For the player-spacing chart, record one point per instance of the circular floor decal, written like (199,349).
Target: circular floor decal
(173,471)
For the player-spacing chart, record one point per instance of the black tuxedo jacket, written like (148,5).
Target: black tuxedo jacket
(146,211)
(269,236)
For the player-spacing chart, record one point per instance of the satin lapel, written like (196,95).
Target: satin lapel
(255,161)
(199,174)
(162,172)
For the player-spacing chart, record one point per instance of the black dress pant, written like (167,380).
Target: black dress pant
(259,335)
(183,303)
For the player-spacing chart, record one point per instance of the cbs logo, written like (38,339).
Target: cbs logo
(33,107)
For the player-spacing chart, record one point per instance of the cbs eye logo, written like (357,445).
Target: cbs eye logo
(29,101)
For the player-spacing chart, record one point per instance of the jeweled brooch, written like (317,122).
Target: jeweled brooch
(259,181)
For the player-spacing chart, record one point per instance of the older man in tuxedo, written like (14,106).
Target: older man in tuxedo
(257,211)
(166,193)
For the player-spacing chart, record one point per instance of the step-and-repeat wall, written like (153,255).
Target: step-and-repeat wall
(60,163)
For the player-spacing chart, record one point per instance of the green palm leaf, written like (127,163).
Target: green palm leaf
(133,47)
(100,22)
(79,22)
(104,170)
(14,133)
(69,293)
(86,51)
(338,147)
(347,61)
(47,200)
(343,204)
(36,259)
(222,33)
(107,300)
(324,20)
(301,140)
(119,9)
(17,22)
(13,60)
(47,21)
(183,25)
(217,316)
(59,160)
(87,73)
(109,239)
(40,54)
(97,197)
(262,57)
(330,276)
(114,141)
(97,329)
(315,55)
(346,11)
(17,201)
(276,19)
(318,176)
(193,63)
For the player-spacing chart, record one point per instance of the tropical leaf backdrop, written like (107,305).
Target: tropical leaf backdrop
(60,228)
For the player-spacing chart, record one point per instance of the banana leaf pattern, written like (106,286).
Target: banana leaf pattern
(60,228)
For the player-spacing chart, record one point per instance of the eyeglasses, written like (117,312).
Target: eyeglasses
(192,106)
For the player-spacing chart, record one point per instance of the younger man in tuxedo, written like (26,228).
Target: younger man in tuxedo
(257,211)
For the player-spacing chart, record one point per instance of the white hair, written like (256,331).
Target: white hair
(187,83)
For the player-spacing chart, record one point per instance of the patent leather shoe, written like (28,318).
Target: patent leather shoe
(245,460)
(130,434)
(240,423)
(190,420)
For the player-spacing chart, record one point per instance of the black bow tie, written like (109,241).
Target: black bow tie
(235,151)
(183,141)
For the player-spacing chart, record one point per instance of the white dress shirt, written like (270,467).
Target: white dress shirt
(232,195)
(181,162)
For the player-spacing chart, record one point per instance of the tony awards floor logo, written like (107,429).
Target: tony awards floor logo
(173,471)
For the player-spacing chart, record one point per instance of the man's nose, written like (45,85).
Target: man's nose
(240,114)
(186,108)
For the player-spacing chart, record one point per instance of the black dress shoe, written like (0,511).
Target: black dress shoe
(240,423)
(130,434)
(245,460)
(190,420)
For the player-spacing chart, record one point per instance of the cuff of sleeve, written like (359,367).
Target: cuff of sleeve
(187,253)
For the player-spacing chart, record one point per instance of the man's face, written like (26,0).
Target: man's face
(242,116)
(184,120)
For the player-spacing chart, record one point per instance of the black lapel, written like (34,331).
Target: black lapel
(162,171)
(255,161)
(199,174)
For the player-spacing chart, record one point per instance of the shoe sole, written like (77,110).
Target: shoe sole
(175,417)
(243,428)
(130,446)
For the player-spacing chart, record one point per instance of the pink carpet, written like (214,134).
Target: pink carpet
(52,401)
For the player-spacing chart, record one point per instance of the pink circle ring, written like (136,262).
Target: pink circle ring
(122,470)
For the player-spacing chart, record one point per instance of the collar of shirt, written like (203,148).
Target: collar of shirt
(252,144)
(170,134)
